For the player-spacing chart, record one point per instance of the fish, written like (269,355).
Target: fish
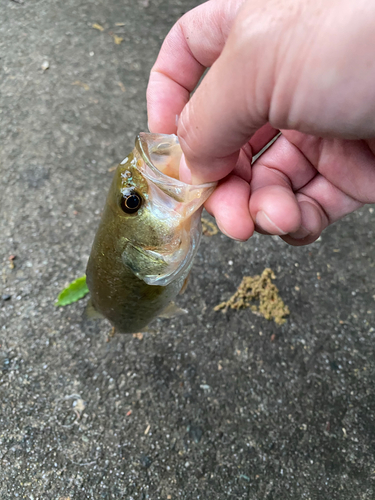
(148,235)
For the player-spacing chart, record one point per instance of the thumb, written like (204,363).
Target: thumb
(222,114)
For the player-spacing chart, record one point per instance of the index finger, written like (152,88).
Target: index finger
(193,44)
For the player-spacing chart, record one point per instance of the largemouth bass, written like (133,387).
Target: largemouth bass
(148,235)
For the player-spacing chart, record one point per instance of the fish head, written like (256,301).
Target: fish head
(158,216)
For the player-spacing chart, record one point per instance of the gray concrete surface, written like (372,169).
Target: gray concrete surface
(208,406)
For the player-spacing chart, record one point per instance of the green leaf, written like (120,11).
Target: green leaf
(75,291)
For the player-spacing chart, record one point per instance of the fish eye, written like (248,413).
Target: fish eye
(131,202)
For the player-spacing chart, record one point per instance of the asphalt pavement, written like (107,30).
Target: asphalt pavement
(211,405)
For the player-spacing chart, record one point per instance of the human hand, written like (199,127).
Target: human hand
(304,67)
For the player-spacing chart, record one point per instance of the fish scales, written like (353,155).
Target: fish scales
(147,237)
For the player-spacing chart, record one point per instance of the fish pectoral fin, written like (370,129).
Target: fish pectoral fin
(91,312)
(172,310)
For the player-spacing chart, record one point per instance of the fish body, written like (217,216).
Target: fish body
(147,237)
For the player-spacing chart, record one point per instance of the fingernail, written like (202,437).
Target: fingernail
(228,235)
(300,234)
(185,173)
(264,222)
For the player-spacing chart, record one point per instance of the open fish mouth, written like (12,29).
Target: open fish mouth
(161,156)
(170,200)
